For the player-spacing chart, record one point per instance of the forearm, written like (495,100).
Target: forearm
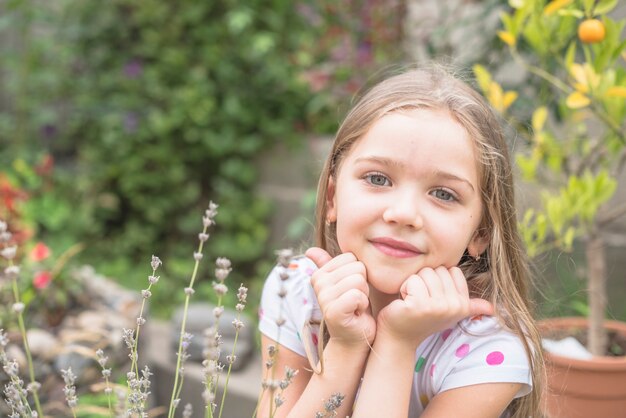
(343,369)
(386,387)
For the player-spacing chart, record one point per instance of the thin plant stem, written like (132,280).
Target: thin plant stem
(134,366)
(230,366)
(212,385)
(29,358)
(176,389)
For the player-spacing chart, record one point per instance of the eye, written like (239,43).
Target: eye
(443,194)
(377,179)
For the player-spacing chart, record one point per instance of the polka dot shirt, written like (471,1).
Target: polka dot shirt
(477,350)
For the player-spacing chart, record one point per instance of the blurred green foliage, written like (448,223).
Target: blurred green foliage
(150,109)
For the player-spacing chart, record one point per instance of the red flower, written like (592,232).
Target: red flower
(42,279)
(39,252)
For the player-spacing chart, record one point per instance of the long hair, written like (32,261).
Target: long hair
(501,275)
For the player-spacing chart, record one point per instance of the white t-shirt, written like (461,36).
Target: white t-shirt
(477,350)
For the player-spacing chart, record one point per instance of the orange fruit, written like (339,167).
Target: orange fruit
(591,31)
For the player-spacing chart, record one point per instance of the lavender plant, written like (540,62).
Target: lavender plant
(131,399)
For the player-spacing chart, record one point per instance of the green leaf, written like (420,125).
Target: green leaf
(588,6)
(604,6)
(570,54)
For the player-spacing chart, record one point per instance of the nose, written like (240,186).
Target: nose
(404,209)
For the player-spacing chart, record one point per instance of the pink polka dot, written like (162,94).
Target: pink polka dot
(446,334)
(309,271)
(495,358)
(432,370)
(314,338)
(260,312)
(462,350)
(305,301)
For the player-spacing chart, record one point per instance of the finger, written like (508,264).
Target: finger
(432,281)
(353,281)
(446,280)
(347,304)
(414,287)
(325,262)
(460,281)
(319,256)
(480,307)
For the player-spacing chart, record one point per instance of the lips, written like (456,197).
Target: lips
(395,248)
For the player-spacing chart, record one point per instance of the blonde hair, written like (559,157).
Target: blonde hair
(501,275)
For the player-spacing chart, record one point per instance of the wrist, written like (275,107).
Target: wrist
(346,346)
(395,347)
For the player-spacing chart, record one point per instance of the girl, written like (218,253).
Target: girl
(419,276)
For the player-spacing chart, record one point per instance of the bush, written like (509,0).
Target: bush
(153,108)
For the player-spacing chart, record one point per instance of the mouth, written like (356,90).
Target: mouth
(394,248)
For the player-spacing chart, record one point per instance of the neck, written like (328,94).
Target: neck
(379,300)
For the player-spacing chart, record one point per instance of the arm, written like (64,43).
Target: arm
(306,394)
(486,400)
(341,290)
(386,387)
(430,301)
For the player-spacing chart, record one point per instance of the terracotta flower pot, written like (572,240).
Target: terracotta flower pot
(584,388)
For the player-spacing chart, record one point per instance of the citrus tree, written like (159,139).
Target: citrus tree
(571,117)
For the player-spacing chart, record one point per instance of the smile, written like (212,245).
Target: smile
(395,248)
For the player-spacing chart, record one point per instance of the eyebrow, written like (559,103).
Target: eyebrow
(399,164)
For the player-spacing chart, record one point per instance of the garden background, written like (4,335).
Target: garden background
(121,120)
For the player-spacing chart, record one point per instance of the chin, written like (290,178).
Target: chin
(386,280)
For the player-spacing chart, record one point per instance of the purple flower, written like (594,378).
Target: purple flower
(364,53)
(131,122)
(133,68)
(48,131)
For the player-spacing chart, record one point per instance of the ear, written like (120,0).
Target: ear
(331,201)
(479,242)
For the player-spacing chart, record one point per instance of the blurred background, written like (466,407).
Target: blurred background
(120,120)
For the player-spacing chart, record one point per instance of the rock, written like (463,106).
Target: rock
(199,318)
(16,353)
(42,344)
(81,360)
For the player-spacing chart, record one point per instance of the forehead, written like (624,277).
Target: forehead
(419,138)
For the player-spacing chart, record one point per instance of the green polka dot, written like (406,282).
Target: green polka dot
(420,364)
(298,334)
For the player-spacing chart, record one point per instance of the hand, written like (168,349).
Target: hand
(431,300)
(342,292)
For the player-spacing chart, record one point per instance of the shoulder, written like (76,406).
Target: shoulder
(288,303)
(296,276)
(480,350)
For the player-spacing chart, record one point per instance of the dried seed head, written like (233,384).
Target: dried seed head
(284,256)
(223,263)
(12,272)
(18,307)
(197,256)
(242,293)
(155,262)
(203,237)
(218,311)
(220,289)
(146,293)
(153,279)
(189,291)
(5,236)
(9,252)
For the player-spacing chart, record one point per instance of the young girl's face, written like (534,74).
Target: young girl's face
(407,196)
